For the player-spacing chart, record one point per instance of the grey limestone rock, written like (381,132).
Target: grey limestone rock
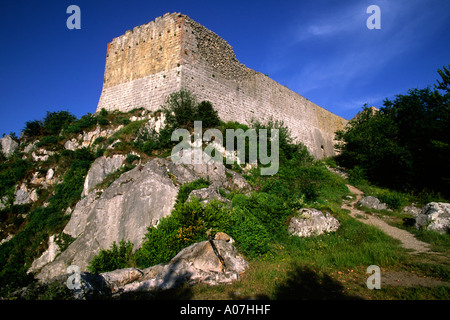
(435,216)
(101,167)
(138,199)
(372,203)
(194,264)
(8,145)
(312,222)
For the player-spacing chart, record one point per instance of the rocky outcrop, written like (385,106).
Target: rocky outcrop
(206,195)
(372,203)
(100,169)
(195,264)
(24,195)
(8,145)
(312,222)
(435,216)
(137,200)
(48,256)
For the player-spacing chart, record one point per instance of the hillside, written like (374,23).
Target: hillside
(102,193)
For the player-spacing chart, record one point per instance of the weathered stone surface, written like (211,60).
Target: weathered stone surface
(435,216)
(101,167)
(137,200)
(412,210)
(8,145)
(48,256)
(24,196)
(372,203)
(312,222)
(195,264)
(206,195)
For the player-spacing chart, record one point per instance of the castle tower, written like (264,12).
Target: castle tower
(148,63)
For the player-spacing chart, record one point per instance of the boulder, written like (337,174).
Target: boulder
(8,145)
(195,264)
(137,200)
(312,222)
(435,216)
(206,195)
(372,203)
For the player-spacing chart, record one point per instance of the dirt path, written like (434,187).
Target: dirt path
(407,239)
(395,278)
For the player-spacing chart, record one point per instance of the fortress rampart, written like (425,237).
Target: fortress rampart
(146,64)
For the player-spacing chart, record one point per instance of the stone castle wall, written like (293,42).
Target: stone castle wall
(147,64)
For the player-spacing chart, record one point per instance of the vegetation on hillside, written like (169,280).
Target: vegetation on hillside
(257,221)
(406,144)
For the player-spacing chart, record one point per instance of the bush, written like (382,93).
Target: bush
(86,121)
(54,122)
(33,128)
(186,225)
(180,109)
(131,158)
(252,238)
(117,257)
(47,141)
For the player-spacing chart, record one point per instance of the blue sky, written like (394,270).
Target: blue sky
(320,49)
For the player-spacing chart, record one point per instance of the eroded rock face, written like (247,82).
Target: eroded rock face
(137,200)
(312,222)
(101,168)
(8,145)
(435,216)
(194,264)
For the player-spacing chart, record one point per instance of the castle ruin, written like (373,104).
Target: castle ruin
(148,63)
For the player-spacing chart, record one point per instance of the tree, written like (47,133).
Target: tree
(405,145)
(206,113)
(33,128)
(180,109)
(445,83)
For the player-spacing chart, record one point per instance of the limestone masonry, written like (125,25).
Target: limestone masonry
(148,63)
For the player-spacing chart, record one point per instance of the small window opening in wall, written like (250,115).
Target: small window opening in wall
(321,147)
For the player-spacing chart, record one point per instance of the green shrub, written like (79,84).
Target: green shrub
(47,141)
(34,128)
(118,257)
(186,225)
(131,158)
(54,122)
(206,113)
(87,121)
(102,121)
(252,238)
(103,112)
